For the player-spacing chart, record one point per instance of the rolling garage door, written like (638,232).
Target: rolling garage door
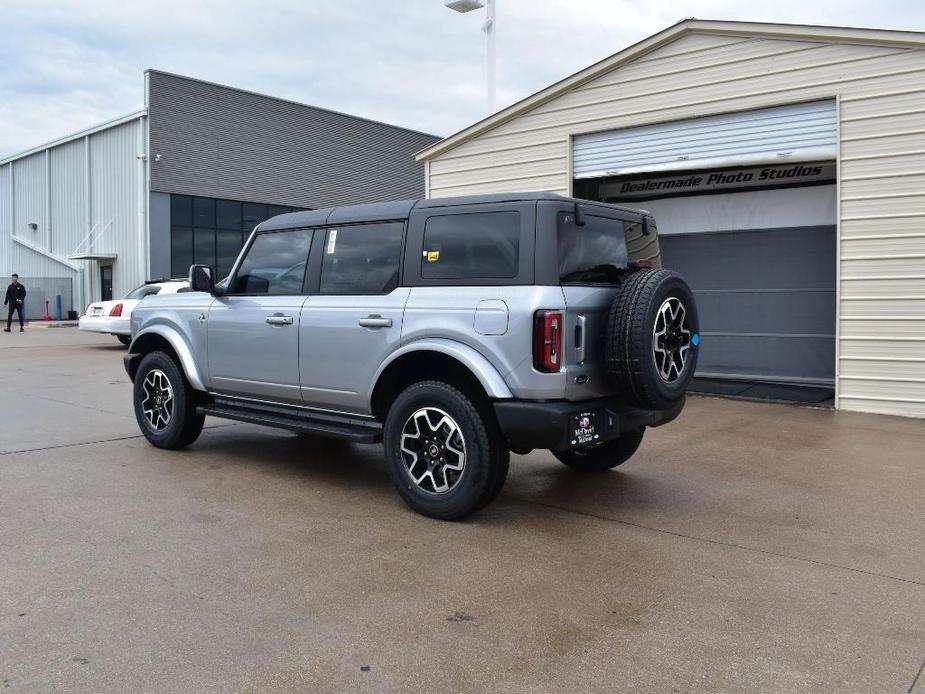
(746,212)
(766,300)
(791,133)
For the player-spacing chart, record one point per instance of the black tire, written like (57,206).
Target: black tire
(629,346)
(183,425)
(605,456)
(486,457)
(124,339)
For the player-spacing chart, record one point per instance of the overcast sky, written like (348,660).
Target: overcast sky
(69,64)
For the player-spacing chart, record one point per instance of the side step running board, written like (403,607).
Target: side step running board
(358,431)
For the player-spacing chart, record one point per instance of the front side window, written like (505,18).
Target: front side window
(594,253)
(275,263)
(478,245)
(362,259)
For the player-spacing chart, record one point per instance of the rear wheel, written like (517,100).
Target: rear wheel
(604,456)
(165,404)
(444,459)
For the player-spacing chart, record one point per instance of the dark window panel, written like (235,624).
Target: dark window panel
(203,212)
(253,215)
(204,247)
(228,245)
(181,210)
(228,214)
(362,259)
(181,251)
(471,246)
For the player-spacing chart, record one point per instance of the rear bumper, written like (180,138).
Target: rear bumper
(551,423)
(105,324)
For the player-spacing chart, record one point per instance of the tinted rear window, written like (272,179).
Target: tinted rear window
(477,245)
(591,254)
(142,292)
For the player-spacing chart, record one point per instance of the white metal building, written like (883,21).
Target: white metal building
(185,179)
(786,169)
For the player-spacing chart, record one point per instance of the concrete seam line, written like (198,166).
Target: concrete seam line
(91,443)
(721,543)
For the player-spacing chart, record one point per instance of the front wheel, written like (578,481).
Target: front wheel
(165,404)
(445,459)
(604,456)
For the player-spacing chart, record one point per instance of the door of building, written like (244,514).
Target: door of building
(106,282)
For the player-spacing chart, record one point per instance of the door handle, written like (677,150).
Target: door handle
(278,319)
(375,321)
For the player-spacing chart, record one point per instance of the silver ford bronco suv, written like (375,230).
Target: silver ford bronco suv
(452,330)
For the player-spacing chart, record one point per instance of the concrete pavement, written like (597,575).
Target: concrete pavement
(746,547)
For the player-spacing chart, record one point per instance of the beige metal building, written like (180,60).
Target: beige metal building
(786,168)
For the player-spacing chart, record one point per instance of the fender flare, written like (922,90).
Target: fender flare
(480,367)
(180,346)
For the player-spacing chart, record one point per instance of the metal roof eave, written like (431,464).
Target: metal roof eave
(908,39)
(76,136)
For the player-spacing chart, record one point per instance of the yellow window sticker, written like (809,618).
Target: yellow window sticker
(433,256)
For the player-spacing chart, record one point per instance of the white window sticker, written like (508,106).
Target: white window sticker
(332,240)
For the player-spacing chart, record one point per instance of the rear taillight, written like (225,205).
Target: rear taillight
(547,341)
(86,309)
(116,310)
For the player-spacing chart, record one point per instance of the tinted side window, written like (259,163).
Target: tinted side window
(475,245)
(275,263)
(362,259)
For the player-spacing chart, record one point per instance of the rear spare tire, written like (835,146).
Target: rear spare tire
(652,338)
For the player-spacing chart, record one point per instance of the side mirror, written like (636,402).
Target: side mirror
(646,226)
(200,278)
(579,216)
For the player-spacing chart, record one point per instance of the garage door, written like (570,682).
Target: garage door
(791,133)
(766,300)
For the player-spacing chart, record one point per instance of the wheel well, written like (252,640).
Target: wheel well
(149,343)
(427,366)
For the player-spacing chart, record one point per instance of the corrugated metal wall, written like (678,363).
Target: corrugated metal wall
(220,142)
(50,189)
(6,229)
(29,193)
(881,351)
(114,172)
(69,196)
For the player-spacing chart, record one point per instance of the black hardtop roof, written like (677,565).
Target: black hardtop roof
(400,209)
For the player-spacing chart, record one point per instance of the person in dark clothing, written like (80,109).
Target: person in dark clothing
(15,298)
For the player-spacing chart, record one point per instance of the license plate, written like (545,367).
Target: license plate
(585,428)
(97,311)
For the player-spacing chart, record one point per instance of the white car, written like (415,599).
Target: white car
(115,317)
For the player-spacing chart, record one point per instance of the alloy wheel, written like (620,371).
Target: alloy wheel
(671,339)
(157,405)
(433,450)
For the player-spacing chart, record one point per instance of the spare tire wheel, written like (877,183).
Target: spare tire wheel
(652,338)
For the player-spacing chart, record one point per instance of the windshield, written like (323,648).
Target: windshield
(142,292)
(594,253)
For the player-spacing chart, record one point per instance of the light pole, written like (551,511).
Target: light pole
(463,6)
